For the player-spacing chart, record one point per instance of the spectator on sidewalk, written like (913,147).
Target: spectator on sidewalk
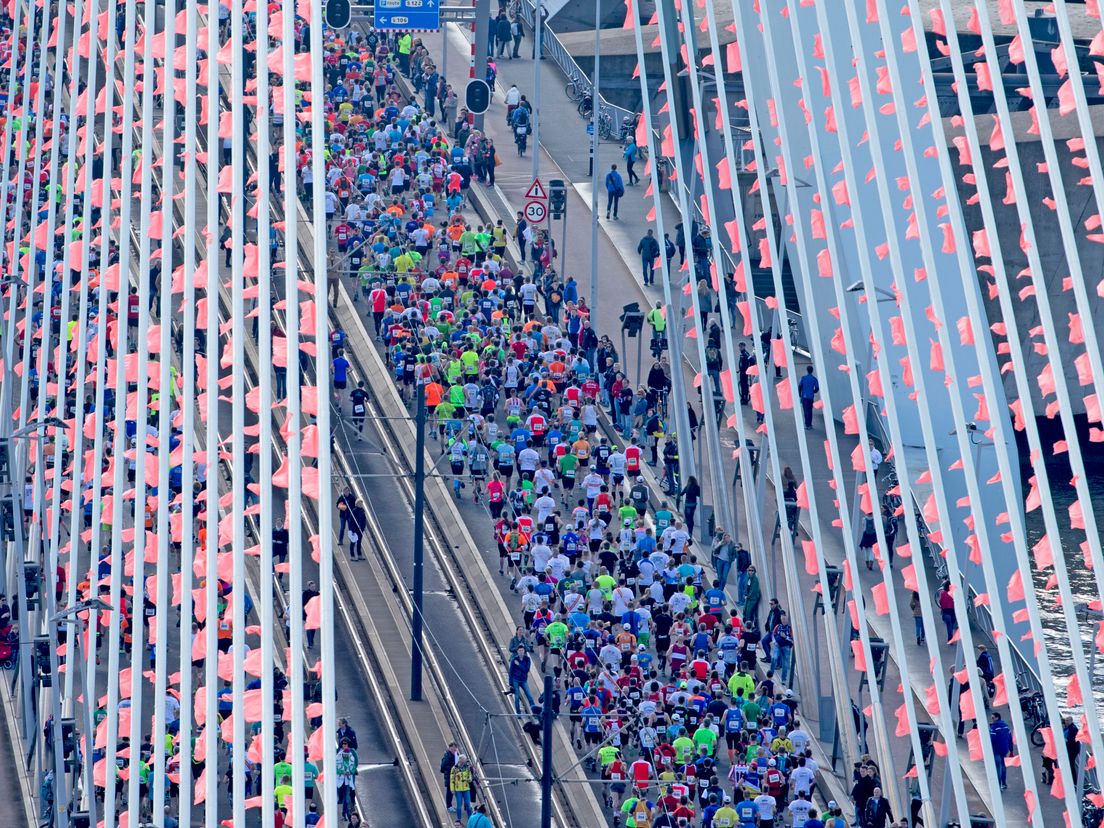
(945,600)
(649,252)
(615,188)
(631,155)
(1001,737)
(807,388)
(502,34)
(517,32)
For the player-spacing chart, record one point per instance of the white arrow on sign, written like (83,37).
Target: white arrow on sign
(535,212)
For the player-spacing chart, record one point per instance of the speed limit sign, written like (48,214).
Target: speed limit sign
(535,212)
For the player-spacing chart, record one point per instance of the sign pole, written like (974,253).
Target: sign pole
(595,105)
(546,754)
(538,48)
(482,35)
(419,534)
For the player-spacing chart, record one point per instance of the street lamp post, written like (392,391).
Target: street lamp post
(595,109)
(419,547)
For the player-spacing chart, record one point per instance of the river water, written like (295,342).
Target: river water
(1082,579)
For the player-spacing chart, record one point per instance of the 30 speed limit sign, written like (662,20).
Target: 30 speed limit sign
(535,212)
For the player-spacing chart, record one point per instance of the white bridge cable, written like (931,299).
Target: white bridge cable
(53,510)
(904,288)
(1019,367)
(166,414)
(839,59)
(237,355)
(322,381)
(188,402)
(837,658)
(264,346)
(293,419)
(119,441)
(1001,437)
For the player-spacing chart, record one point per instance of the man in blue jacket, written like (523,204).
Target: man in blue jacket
(1001,737)
(519,678)
(615,188)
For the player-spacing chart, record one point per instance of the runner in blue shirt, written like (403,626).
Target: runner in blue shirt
(715,599)
(748,812)
(340,374)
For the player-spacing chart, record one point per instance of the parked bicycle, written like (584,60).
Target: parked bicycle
(577,88)
(1035,714)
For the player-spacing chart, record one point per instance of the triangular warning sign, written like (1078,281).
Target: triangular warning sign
(536,190)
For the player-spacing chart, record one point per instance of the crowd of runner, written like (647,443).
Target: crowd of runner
(674,689)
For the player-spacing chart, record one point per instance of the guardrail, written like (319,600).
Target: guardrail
(553,48)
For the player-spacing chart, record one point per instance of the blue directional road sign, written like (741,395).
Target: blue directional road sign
(403,15)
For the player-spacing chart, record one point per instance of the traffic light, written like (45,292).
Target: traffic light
(339,13)
(477,96)
(632,319)
(557,197)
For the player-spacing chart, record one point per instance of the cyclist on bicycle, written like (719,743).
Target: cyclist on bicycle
(658,322)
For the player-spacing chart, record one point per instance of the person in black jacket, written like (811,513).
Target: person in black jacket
(358,523)
(648,248)
(876,813)
(502,32)
(448,762)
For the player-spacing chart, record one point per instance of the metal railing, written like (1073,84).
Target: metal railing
(552,47)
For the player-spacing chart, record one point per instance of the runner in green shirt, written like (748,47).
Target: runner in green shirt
(282,770)
(704,737)
(606,583)
(556,633)
(607,754)
(684,747)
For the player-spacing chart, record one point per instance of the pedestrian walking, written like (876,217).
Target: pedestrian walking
(615,188)
(631,156)
(648,248)
(807,389)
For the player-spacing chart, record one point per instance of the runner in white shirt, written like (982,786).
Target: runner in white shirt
(593,484)
(674,539)
(559,564)
(799,738)
(801,779)
(545,506)
(679,602)
(541,554)
(544,478)
(622,597)
(767,806)
(528,460)
(595,598)
(800,809)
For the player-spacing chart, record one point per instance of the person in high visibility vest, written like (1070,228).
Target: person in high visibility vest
(405,44)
